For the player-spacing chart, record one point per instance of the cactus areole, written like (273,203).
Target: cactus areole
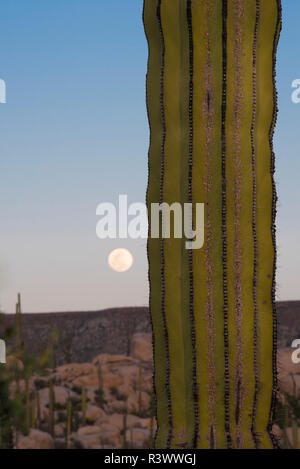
(212,108)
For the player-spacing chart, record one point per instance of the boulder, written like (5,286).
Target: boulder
(108,361)
(112,380)
(90,380)
(138,436)
(89,430)
(62,395)
(116,420)
(132,421)
(125,390)
(133,405)
(85,442)
(71,372)
(94,414)
(36,440)
(108,436)
(118,406)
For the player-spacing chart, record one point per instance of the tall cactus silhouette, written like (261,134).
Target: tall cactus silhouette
(212,109)
(19,336)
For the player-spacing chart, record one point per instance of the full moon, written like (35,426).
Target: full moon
(120,260)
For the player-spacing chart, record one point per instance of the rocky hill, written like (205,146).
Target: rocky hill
(82,335)
(85,334)
(289,322)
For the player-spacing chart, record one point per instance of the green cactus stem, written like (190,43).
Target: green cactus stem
(100,399)
(51,406)
(140,387)
(33,415)
(212,109)
(27,404)
(83,404)
(19,336)
(100,377)
(38,408)
(124,429)
(131,438)
(152,416)
(69,422)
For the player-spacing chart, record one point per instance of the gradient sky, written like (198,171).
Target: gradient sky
(74,133)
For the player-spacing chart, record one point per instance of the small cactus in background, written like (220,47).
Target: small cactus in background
(8,431)
(33,415)
(292,409)
(130,328)
(27,404)
(68,422)
(128,342)
(19,349)
(27,372)
(124,429)
(211,102)
(131,438)
(139,386)
(38,407)
(52,360)
(19,335)
(66,343)
(295,416)
(51,406)
(152,418)
(83,404)
(100,391)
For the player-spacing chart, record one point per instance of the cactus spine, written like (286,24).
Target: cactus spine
(211,102)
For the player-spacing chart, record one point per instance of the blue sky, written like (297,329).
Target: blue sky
(74,133)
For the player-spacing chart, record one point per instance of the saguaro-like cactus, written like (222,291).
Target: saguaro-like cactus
(69,422)
(19,336)
(51,407)
(212,108)
(83,404)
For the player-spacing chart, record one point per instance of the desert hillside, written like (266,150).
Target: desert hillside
(82,334)
(85,334)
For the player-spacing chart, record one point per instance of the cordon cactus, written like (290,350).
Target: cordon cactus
(212,109)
